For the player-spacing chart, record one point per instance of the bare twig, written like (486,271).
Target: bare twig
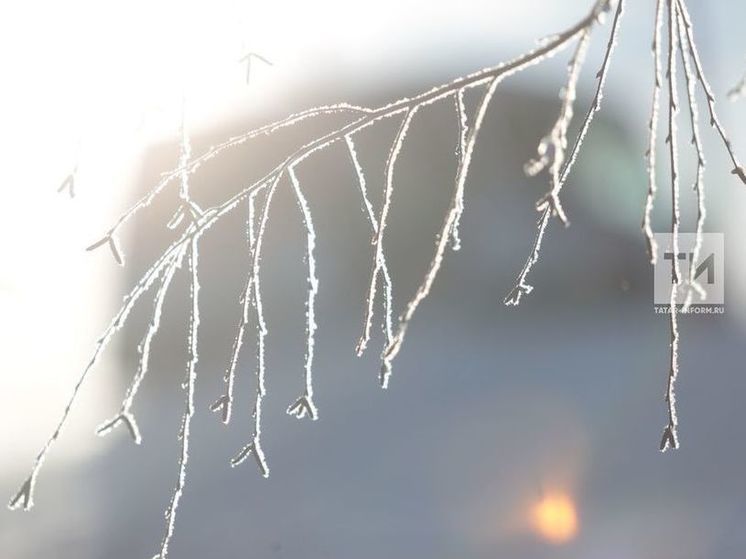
(191,377)
(670,436)
(379,259)
(224,403)
(248,58)
(699,186)
(24,497)
(738,170)
(442,240)
(304,405)
(552,155)
(557,137)
(368,210)
(521,287)
(125,414)
(362,118)
(69,183)
(253,290)
(463,133)
(653,137)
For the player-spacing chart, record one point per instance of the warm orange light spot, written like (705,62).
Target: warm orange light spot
(555,518)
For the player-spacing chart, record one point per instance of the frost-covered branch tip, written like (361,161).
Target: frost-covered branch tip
(304,405)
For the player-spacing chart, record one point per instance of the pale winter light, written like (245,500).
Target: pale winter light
(554,518)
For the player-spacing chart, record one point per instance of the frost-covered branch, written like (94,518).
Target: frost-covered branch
(557,137)
(738,170)
(670,437)
(546,208)
(552,156)
(224,403)
(647,227)
(192,167)
(370,214)
(125,414)
(25,496)
(379,259)
(699,186)
(304,405)
(442,240)
(681,41)
(253,291)
(463,133)
(361,118)
(189,385)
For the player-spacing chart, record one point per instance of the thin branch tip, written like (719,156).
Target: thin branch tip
(24,498)
(252,449)
(303,407)
(128,420)
(110,240)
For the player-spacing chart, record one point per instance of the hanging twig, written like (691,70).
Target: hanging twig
(304,405)
(670,436)
(521,287)
(647,227)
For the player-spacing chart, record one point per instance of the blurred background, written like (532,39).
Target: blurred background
(526,432)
